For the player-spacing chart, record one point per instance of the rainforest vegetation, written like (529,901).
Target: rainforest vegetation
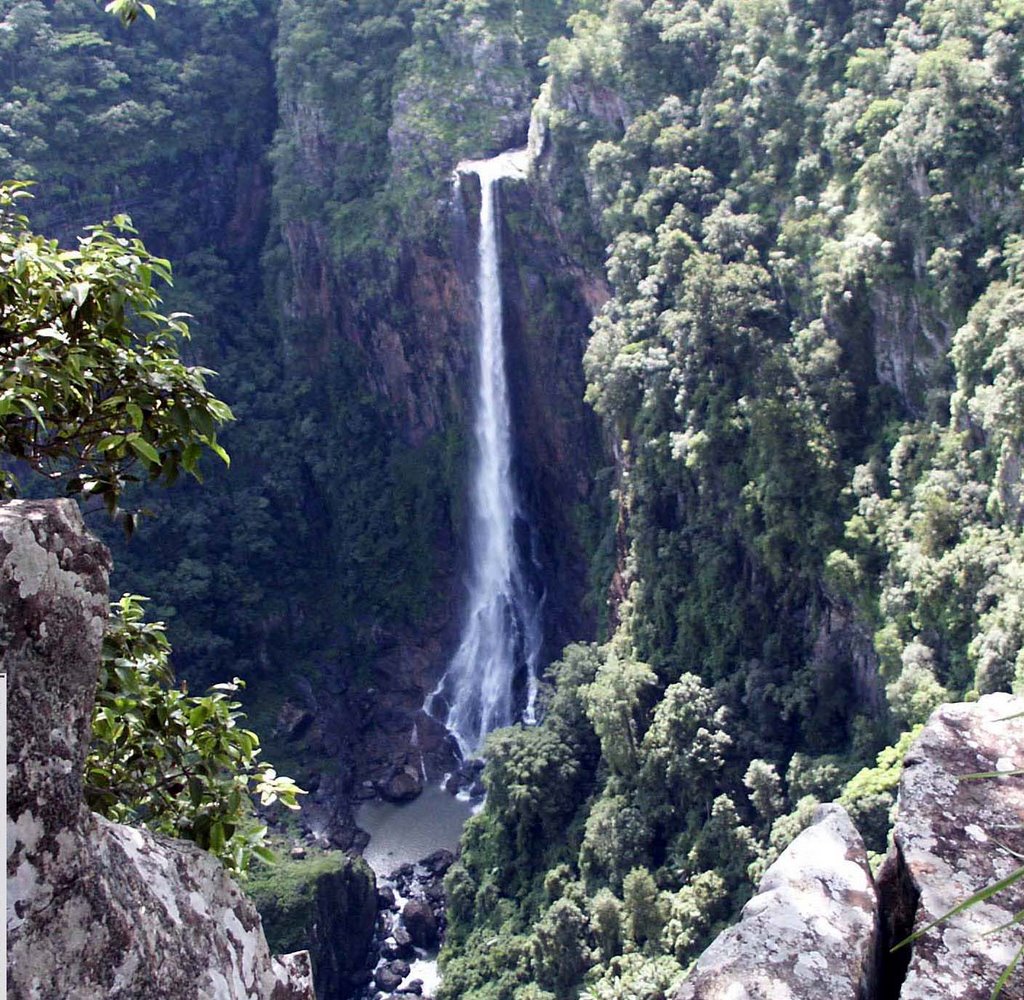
(801,225)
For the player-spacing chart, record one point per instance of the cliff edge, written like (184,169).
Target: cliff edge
(96,909)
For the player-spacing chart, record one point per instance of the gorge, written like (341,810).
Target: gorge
(755,507)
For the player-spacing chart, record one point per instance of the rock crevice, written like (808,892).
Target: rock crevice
(820,926)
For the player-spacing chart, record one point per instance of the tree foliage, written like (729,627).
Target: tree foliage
(180,764)
(93,387)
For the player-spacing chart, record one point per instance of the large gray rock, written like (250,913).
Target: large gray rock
(952,838)
(808,934)
(95,909)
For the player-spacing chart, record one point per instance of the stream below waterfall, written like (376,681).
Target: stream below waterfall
(406,832)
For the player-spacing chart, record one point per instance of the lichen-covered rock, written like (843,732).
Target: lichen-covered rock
(95,909)
(952,838)
(809,933)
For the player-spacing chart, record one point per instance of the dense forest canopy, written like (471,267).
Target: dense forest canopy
(799,223)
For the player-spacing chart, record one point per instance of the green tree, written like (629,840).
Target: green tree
(560,952)
(92,387)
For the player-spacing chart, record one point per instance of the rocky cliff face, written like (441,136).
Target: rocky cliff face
(95,909)
(377,290)
(328,904)
(820,926)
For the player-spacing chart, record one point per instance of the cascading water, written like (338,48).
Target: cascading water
(492,677)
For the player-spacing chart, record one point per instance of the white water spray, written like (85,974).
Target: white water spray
(495,665)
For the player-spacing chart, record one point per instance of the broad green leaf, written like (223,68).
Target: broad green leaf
(144,449)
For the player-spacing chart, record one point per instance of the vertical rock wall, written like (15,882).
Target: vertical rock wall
(95,909)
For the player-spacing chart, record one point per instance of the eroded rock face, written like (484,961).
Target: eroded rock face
(954,837)
(810,932)
(95,909)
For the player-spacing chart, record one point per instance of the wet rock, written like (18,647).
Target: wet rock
(439,862)
(808,933)
(385,898)
(420,922)
(96,908)
(399,967)
(952,838)
(387,980)
(414,987)
(403,786)
(403,940)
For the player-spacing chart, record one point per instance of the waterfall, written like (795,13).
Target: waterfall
(492,678)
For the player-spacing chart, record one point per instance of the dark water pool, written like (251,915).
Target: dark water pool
(407,832)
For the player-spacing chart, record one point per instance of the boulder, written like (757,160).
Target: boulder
(438,863)
(952,838)
(403,941)
(387,980)
(420,922)
(96,909)
(808,933)
(402,786)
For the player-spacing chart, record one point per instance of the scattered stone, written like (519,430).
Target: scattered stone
(386,979)
(403,940)
(399,967)
(809,933)
(439,862)
(298,852)
(386,898)
(414,987)
(420,922)
(953,838)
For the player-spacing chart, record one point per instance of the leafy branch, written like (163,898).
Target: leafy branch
(179,764)
(92,388)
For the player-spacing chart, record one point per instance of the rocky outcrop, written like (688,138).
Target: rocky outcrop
(327,903)
(809,932)
(814,929)
(953,837)
(95,909)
